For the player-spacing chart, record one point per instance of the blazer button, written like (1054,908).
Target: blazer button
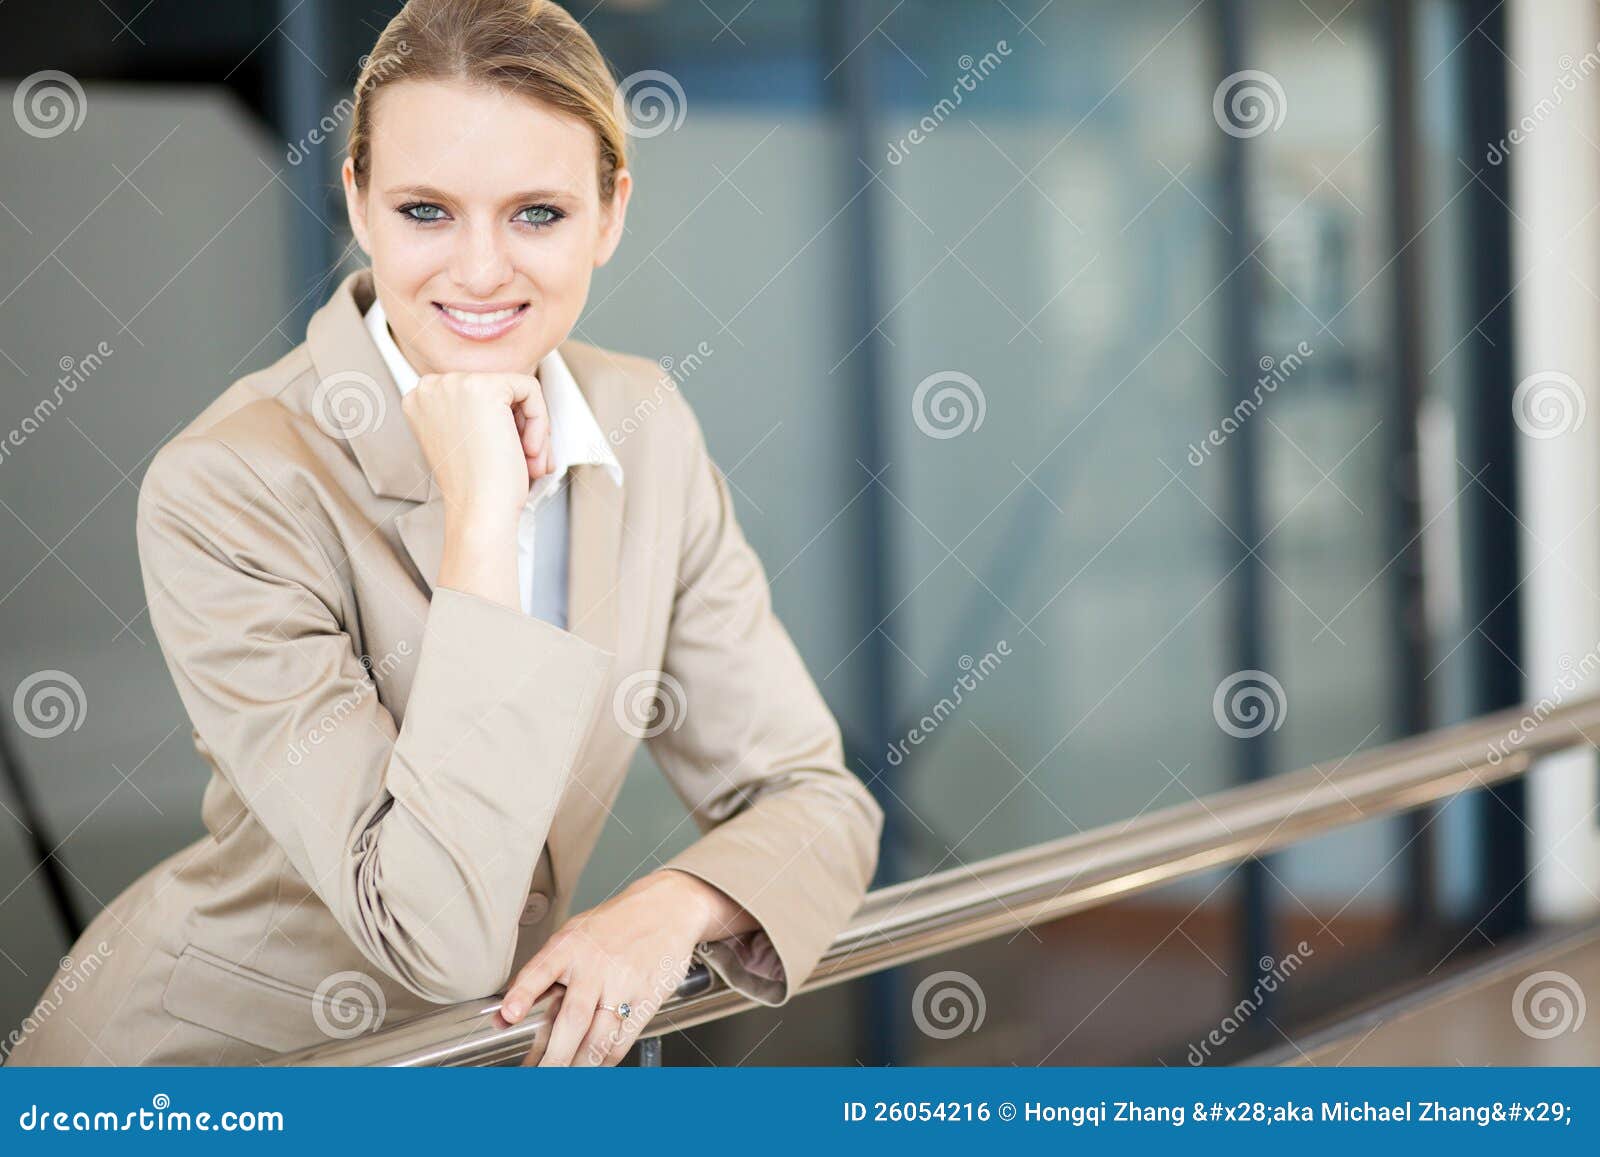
(536,909)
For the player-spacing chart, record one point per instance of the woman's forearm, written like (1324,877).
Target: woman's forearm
(480,557)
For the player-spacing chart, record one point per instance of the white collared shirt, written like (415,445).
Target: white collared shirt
(575,437)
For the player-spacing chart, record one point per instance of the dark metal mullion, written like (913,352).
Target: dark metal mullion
(1247,598)
(1492,559)
(299,101)
(1403,524)
(847,37)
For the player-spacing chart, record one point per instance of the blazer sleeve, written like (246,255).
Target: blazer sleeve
(788,832)
(421,839)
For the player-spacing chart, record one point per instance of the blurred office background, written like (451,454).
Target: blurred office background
(965,295)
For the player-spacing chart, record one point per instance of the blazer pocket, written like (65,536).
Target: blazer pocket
(245,1003)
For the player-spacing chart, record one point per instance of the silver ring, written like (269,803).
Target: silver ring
(623,1010)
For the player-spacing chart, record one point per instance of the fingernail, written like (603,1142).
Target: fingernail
(511,1010)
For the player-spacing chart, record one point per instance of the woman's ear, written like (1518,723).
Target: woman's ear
(355,204)
(612,218)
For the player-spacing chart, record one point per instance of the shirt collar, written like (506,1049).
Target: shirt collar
(575,435)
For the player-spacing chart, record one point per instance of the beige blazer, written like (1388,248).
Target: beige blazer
(406,781)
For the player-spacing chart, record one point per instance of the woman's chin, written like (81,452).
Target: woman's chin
(476,358)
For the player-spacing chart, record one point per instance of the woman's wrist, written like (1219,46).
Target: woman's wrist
(479,521)
(713,913)
(479,555)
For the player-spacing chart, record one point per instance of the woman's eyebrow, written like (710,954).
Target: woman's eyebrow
(430,193)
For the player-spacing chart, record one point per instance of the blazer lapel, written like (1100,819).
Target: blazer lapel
(593,555)
(355,384)
(594,529)
(595,541)
(380,439)
(598,506)
(422,531)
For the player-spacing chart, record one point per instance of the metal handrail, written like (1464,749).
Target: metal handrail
(981,901)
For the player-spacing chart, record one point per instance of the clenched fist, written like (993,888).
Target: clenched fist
(486,437)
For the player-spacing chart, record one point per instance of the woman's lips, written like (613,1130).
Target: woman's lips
(481,324)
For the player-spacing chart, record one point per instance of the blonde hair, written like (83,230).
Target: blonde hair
(531,47)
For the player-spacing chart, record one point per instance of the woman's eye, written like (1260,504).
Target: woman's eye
(422,211)
(538,215)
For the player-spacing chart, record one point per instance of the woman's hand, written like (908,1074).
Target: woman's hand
(486,438)
(635,947)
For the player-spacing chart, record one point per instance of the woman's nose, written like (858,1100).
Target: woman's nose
(481,264)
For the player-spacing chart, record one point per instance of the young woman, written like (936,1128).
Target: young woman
(423,585)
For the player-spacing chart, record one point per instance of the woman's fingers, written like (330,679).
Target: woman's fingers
(610,1037)
(572,1023)
(535,435)
(534,429)
(533,426)
(537,975)
(531,401)
(534,417)
(520,389)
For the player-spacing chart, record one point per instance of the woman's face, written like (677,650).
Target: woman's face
(483,222)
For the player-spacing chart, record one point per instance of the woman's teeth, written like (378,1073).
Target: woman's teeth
(480,318)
